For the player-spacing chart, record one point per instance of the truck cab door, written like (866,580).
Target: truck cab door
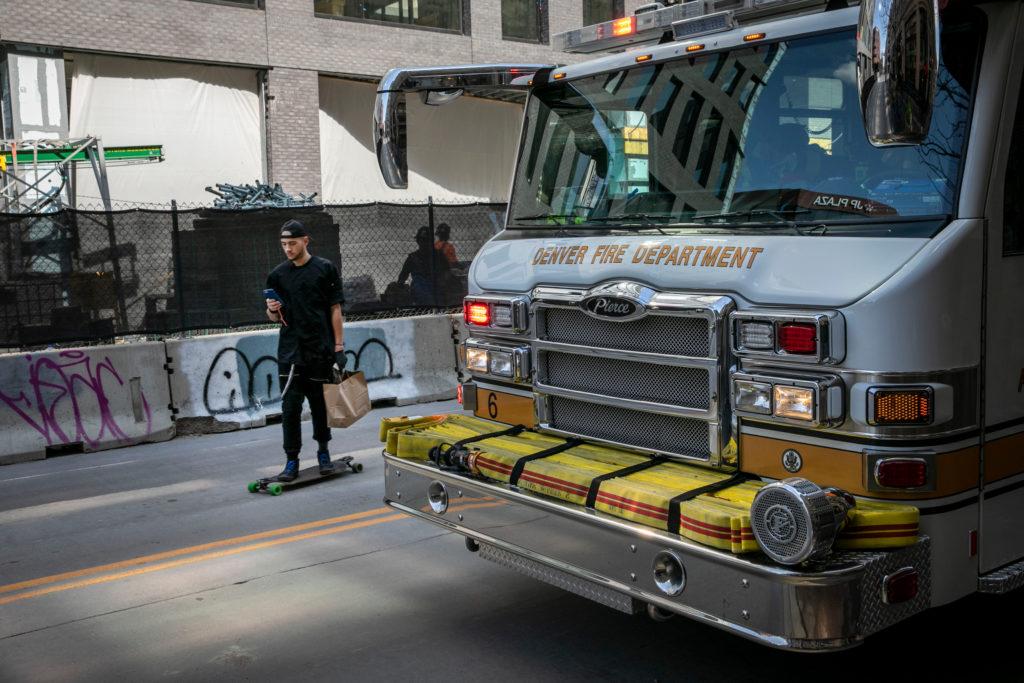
(1002,505)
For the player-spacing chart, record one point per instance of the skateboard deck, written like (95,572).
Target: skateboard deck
(307,475)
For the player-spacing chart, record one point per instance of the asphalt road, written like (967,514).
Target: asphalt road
(154,562)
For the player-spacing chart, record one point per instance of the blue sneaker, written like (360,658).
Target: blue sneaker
(290,471)
(324,458)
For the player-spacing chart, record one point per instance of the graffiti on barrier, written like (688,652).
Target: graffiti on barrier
(234,383)
(258,381)
(374,359)
(68,394)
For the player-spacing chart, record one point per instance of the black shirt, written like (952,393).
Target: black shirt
(308,292)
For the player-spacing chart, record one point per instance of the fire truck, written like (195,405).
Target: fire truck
(772,248)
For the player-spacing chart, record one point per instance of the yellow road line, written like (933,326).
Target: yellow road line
(192,559)
(145,559)
(198,558)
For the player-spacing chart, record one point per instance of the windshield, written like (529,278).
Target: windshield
(770,134)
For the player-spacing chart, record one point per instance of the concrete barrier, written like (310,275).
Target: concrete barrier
(224,381)
(407,360)
(230,381)
(83,400)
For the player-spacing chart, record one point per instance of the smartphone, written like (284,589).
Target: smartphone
(271,294)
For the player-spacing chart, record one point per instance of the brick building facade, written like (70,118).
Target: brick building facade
(290,44)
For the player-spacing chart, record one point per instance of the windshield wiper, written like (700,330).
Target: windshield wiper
(646,221)
(750,213)
(546,216)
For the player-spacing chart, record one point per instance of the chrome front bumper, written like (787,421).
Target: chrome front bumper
(832,605)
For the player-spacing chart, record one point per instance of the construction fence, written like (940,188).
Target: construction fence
(82,276)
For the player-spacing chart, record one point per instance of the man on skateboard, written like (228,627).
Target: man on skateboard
(308,306)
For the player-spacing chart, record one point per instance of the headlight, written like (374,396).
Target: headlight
(808,400)
(500,363)
(489,358)
(476,359)
(794,403)
(753,397)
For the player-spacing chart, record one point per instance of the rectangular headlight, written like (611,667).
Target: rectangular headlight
(794,403)
(753,397)
(500,363)
(476,359)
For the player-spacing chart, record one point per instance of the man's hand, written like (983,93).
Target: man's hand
(340,359)
(273,305)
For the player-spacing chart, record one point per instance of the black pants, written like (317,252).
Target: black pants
(309,386)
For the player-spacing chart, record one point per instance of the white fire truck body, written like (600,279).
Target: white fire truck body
(781,241)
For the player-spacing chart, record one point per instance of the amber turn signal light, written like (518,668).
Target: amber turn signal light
(900,406)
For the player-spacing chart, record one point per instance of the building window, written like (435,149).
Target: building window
(597,11)
(445,15)
(524,20)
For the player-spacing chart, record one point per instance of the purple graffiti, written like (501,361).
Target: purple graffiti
(61,389)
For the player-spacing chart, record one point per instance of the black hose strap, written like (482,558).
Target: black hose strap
(511,431)
(517,469)
(438,452)
(673,505)
(595,483)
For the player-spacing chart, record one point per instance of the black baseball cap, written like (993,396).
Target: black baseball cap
(294,228)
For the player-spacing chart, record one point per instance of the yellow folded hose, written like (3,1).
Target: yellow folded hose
(720,519)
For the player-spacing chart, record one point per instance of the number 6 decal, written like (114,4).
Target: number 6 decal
(492,405)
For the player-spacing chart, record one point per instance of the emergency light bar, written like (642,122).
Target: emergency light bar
(682,21)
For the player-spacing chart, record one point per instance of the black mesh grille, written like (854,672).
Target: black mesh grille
(682,336)
(667,384)
(679,435)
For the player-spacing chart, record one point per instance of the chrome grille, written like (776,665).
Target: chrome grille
(637,381)
(676,435)
(669,334)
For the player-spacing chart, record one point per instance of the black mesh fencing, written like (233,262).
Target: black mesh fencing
(84,276)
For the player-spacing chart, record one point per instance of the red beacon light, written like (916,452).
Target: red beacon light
(798,338)
(477,313)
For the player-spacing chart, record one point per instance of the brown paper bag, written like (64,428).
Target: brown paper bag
(348,400)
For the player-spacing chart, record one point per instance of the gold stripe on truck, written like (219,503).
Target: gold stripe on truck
(957,471)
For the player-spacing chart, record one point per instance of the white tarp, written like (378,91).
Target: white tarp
(206,117)
(462,151)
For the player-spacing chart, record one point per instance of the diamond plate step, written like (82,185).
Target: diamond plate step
(560,579)
(1003,580)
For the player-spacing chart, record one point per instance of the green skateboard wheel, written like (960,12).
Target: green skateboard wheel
(275,489)
(253,486)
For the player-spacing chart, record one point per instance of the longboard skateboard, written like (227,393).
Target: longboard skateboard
(307,475)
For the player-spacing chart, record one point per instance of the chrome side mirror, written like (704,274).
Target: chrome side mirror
(437,86)
(897,69)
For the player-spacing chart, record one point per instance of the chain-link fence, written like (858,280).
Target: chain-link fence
(78,276)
